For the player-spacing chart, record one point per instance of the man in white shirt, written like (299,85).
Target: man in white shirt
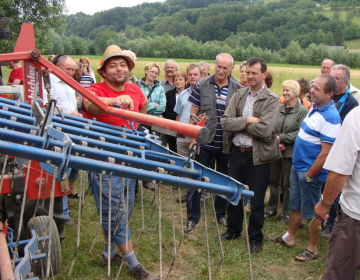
(343,163)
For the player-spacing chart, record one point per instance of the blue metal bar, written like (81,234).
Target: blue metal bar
(232,190)
(23,268)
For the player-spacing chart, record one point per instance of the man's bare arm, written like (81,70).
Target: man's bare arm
(320,160)
(143,110)
(94,109)
(335,182)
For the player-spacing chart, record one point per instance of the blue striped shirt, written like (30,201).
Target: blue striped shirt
(221,95)
(321,125)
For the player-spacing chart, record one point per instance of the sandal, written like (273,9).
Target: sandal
(307,256)
(280,240)
(75,195)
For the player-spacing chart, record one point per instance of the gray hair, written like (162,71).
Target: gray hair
(193,66)
(345,69)
(173,61)
(130,53)
(227,55)
(244,63)
(79,66)
(204,63)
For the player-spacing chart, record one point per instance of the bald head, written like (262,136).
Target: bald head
(326,66)
(67,64)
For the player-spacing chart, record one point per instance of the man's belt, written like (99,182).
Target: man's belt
(244,149)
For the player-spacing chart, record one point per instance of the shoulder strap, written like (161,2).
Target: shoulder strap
(151,91)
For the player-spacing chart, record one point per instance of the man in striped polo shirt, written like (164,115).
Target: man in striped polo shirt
(312,145)
(211,96)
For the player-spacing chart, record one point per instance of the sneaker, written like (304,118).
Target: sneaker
(150,186)
(190,226)
(285,219)
(303,224)
(222,222)
(139,272)
(116,259)
(270,214)
(205,196)
(326,233)
(182,198)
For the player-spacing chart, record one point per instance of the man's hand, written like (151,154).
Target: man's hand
(321,211)
(77,114)
(251,120)
(192,143)
(123,100)
(282,147)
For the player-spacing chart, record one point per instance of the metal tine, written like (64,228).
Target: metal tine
(81,188)
(3,172)
(50,224)
(45,189)
(22,213)
(142,217)
(159,226)
(125,204)
(247,240)
(39,193)
(109,228)
(100,213)
(218,235)
(207,238)
(182,235)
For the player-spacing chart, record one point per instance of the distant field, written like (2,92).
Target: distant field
(280,72)
(353,44)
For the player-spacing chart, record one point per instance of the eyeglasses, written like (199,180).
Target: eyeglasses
(153,72)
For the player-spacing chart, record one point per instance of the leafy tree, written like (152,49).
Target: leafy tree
(351,32)
(44,14)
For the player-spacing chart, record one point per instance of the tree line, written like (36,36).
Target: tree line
(286,31)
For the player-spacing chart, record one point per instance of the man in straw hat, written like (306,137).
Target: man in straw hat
(115,69)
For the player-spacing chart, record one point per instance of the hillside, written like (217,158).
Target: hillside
(269,25)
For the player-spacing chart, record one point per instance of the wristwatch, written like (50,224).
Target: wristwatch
(308,179)
(324,202)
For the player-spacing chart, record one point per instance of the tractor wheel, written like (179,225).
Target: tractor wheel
(41,226)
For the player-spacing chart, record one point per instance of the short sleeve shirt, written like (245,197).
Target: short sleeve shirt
(103,90)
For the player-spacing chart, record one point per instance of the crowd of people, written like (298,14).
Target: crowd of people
(259,139)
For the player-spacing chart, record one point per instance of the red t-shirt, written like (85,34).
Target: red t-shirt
(102,90)
(16,74)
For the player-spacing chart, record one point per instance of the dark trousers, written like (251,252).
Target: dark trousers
(280,179)
(207,158)
(333,212)
(172,143)
(242,169)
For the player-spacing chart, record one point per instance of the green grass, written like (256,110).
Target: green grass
(353,44)
(274,262)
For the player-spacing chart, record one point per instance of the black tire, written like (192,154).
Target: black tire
(41,225)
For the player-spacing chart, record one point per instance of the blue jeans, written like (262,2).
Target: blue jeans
(333,212)
(242,169)
(120,193)
(206,158)
(303,195)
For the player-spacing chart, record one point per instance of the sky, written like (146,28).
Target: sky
(90,7)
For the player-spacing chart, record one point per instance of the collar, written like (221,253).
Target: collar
(322,108)
(212,80)
(258,92)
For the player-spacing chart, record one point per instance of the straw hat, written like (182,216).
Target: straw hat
(115,51)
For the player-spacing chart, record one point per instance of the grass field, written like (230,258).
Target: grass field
(353,44)
(274,262)
(280,72)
